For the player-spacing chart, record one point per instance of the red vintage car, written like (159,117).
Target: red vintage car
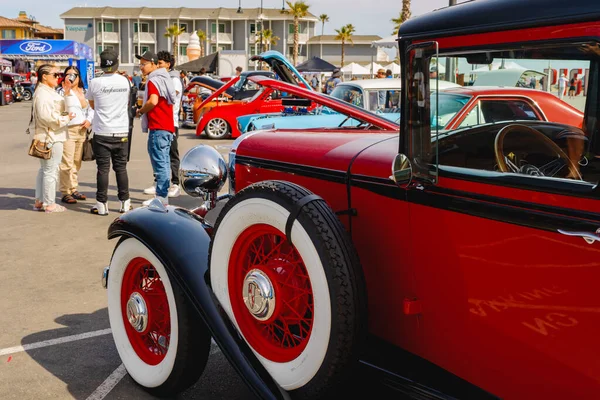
(220,120)
(460,263)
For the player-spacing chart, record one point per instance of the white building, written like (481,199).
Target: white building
(132,31)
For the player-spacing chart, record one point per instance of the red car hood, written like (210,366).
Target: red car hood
(335,104)
(217,93)
(329,149)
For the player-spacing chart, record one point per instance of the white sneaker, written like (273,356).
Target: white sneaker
(165,201)
(125,206)
(100,208)
(174,191)
(150,190)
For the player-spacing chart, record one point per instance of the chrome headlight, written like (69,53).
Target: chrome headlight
(202,171)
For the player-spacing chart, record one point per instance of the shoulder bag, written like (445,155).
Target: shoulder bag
(88,150)
(37,148)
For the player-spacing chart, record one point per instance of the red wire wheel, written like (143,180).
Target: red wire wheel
(284,335)
(143,281)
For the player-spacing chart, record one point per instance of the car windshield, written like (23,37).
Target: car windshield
(349,94)
(446,106)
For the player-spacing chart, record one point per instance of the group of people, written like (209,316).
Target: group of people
(63,116)
(336,78)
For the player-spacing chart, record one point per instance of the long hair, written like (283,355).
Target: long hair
(73,67)
(42,70)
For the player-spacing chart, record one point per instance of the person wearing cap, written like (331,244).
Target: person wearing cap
(333,81)
(167,61)
(108,95)
(157,120)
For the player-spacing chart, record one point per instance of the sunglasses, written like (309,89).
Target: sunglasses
(55,74)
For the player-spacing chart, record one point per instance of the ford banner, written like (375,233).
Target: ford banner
(45,48)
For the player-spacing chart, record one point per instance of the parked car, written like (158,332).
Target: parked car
(205,86)
(219,122)
(460,263)
(456,107)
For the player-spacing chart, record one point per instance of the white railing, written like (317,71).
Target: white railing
(144,37)
(302,38)
(109,37)
(223,38)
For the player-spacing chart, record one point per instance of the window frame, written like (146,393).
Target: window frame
(136,27)
(214,25)
(5,31)
(104,25)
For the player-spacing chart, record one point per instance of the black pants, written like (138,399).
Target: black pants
(107,148)
(174,153)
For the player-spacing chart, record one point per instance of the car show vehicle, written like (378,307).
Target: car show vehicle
(452,263)
(456,107)
(201,87)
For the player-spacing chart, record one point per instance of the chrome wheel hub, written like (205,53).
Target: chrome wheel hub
(259,295)
(137,312)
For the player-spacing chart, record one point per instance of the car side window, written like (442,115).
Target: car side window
(513,129)
(472,118)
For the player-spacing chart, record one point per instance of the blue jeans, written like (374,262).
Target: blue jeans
(159,145)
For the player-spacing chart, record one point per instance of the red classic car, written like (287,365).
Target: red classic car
(219,121)
(461,263)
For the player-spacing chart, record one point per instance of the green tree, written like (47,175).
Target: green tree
(404,15)
(323,18)
(299,9)
(268,39)
(174,32)
(202,36)
(345,35)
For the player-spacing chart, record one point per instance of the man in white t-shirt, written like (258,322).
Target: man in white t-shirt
(167,61)
(562,84)
(109,97)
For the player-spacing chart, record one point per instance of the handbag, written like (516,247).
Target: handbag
(38,149)
(88,150)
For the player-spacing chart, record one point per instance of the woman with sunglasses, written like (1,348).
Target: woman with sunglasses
(51,119)
(78,127)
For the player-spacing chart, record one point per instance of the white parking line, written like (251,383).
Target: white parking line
(108,385)
(51,342)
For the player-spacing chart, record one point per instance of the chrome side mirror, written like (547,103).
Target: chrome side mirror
(401,170)
(203,172)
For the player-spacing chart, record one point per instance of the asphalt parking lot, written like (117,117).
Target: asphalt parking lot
(55,339)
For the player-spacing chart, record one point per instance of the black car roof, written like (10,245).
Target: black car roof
(479,16)
(215,83)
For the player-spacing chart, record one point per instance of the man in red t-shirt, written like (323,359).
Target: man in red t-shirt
(157,119)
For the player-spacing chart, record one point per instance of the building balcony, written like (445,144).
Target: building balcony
(144,37)
(223,38)
(302,38)
(109,37)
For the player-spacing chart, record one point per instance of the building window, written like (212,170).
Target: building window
(144,27)
(106,47)
(252,28)
(108,27)
(253,50)
(213,28)
(9,34)
(144,49)
(184,27)
(183,49)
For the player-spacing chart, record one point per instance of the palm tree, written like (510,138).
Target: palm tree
(174,32)
(323,18)
(299,9)
(345,35)
(268,39)
(202,36)
(404,15)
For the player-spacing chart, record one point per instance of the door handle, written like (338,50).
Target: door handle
(587,236)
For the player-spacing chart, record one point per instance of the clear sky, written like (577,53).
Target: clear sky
(369,17)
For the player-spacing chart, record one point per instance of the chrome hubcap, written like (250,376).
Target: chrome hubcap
(217,126)
(137,312)
(259,295)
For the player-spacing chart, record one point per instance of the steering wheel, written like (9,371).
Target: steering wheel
(549,169)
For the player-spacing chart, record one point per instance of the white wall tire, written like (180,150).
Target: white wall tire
(182,341)
(334,274)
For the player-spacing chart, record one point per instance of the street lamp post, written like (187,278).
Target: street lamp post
(260,16)
(450,62)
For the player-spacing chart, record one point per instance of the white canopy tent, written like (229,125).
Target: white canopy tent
(394,67)
(500,65)
(389,42)
(355,69)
